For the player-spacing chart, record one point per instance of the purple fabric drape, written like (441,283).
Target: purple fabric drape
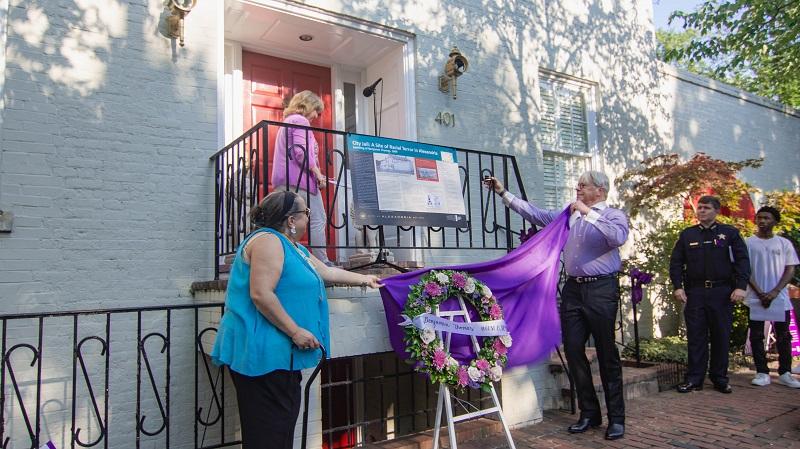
(524,282)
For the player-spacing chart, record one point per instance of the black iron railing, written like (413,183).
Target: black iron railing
(140,377)
(113,378)
(670,374)
(243,176)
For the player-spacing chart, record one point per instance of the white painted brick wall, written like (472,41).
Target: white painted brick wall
(729,124)
(106,135)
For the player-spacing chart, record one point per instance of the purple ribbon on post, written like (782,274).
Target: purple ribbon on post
(638,279)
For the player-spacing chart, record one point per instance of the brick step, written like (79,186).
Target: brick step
(637,382)
(472,430)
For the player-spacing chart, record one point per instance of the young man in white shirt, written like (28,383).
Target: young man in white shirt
(772,261)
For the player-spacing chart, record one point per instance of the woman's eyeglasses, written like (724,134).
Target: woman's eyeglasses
(307,211)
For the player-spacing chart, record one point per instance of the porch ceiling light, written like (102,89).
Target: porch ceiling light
(455,66)
(179,10)
(306,37)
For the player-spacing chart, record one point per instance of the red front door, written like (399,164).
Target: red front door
(267,82)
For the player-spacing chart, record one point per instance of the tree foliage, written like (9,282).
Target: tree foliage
(788,203)
(755,44)
(668,42)
(666,177)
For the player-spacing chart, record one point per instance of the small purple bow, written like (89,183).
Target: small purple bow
(639,278)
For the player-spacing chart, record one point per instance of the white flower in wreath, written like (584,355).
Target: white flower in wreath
(475,374)
(427,309)
(486,291)
(495,372)
(442,278)
(469,288)
(428,335)
(506,339)
(452,362)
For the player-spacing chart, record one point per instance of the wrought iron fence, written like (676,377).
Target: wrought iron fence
(113,378)
(140,377)
(243,171)
(670,374)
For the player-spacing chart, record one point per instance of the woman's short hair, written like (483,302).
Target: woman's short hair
(303,103)
(273,210)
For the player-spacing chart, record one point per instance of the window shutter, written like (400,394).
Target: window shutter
(563,132)
(561,173)
(547,118)
(562,119)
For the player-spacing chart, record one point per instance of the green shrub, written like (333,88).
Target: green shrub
(666,349)
(741,317)
(674,349)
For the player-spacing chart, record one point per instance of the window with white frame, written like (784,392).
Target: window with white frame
(567,134)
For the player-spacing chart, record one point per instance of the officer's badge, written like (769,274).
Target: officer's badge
(721,236)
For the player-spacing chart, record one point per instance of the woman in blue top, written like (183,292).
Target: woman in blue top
(276,316)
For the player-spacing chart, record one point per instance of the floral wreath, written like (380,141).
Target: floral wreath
(427,349)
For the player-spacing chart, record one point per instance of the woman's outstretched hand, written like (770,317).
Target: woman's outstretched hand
(372,281)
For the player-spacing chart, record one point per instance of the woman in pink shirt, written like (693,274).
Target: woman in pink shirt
(298,169)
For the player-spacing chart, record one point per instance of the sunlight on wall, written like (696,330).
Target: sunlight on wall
(32,30)
(694,127)
(577,12)
(85,71)
(434,15)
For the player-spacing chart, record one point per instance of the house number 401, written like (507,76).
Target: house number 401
(446,119)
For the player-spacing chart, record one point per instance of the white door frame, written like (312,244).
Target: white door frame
(309,12)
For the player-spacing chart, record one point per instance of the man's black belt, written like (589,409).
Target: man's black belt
(710,284)
(585,279)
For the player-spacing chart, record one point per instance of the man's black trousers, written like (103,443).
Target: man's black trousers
(709,316)
(783,342)
(590,309)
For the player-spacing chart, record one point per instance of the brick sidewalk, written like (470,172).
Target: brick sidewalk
(750,417)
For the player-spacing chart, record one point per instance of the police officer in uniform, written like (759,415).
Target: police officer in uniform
(709,270)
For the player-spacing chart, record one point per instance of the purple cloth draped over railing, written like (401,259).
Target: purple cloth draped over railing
(524,282)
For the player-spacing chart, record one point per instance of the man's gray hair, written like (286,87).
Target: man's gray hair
(596,178)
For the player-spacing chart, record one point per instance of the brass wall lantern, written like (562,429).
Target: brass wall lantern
(179,10)
(456,66)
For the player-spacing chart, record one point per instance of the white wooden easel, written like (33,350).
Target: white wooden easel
(444,391)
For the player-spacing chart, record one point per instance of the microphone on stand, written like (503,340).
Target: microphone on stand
(369,90)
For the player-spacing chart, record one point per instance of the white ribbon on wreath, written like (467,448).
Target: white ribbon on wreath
(429,321)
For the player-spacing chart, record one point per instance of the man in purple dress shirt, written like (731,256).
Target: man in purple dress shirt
(590,297)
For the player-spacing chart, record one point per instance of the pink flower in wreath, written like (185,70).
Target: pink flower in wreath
(482,364)
(432,289)
(463,376)
(495,311)
(459,280)
(499,347)
(439,359)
